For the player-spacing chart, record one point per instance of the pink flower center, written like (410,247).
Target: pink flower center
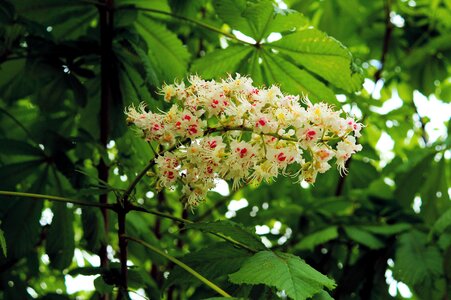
(192,129)
(242,152)
(212,144)
(311,134)
(261,122)
(169,174)
(215,103)
(281,157)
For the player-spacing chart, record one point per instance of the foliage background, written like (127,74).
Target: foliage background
(68,69)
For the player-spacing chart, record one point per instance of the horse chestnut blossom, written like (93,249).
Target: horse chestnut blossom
(233,130)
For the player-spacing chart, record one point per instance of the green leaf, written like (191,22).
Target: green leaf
(363,237)
(409,181)
(259,15)
(443,222)
(415,261)
(169,52)
(286,20)
(231,12)
(60,243)
(364,174)
(16,147)
(258,19)
(69,19)
(295,80)
(283,271)
(387,229)
(254,69)
(102,287)
(434,192)
(322,55)
(150,66)
(323,295)
(319,237)
(212,262)
(235,231)
(78,90)
(3,243)
(221,61)
(14,173)
(93,229)
(20,221)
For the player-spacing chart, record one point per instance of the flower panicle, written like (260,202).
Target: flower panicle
(258,134)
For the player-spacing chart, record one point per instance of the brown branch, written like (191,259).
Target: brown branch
(424,135)
(106,72)
(387,38)
(154,271)
(377,77)
(123,285)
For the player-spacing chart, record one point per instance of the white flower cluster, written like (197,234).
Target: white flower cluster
(235,131)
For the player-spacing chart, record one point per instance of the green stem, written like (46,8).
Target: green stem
(135,181)
(198,23)
(185,221)
(181,265)
(57,199)
(158,213)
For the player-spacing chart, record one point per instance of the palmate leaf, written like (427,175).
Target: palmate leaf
(258,19)
(283,271)
(416,262)
(301,61)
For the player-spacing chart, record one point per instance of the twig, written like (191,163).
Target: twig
(387,38)
(181,265)
(58,199)
(198,23)
(186,221)
(424,135)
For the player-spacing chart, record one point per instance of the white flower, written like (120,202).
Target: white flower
(233,130)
